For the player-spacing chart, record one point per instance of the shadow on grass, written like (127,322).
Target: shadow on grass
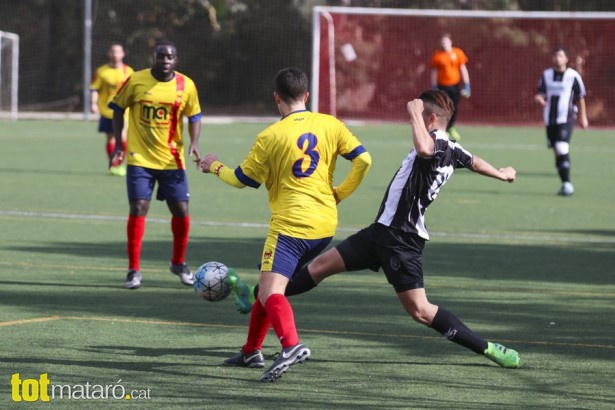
(238,253)
(596,232)
(485,284)
(525,263)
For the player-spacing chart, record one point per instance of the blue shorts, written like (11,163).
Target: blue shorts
(105,125)
(172,184)
(285,255)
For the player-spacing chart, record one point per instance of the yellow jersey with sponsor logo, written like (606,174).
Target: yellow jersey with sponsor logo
(155,128)
(106,82)
(295,158)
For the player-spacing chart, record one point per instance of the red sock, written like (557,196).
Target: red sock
(121,161)
(110,148)
(180,228)
(135,230)
(259,326)
(280,313)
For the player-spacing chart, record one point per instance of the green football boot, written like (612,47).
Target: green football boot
(503,356)
(453,135)
(244,294)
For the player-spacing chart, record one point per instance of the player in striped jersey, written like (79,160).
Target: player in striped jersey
(107,79)
(158,98)
(395,241)
(295,158)
(562,93)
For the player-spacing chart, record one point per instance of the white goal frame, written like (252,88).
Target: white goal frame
(13,87)
(326,11)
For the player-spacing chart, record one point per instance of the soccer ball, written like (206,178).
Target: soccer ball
(211,281)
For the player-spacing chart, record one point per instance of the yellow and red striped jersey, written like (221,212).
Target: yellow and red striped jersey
(155,126)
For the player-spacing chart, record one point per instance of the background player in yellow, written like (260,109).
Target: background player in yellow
(107,79)
(158,98)
(295,158)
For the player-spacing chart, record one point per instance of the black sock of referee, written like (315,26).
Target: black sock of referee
(300,284)
(454,330)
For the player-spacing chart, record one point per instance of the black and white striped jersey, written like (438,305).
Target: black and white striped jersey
(562,90)
(417,183)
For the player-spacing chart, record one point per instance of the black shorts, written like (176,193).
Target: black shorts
(558,132)
(453,91)
(398,253)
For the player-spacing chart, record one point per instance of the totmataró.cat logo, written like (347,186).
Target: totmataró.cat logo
(43,389)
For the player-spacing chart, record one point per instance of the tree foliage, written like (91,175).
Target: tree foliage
(231,48)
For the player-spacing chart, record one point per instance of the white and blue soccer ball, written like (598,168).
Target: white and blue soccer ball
(211,281)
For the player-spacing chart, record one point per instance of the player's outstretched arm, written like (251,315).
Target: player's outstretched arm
(360,166)
(210,164)
(482,167)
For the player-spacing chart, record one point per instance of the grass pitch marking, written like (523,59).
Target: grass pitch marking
(462,235)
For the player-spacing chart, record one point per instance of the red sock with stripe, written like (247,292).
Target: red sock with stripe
(135,229)
(180,228)
(280,313)
(259,326)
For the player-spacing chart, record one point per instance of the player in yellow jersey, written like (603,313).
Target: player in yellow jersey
(158,98)
(295,158)
(107,79)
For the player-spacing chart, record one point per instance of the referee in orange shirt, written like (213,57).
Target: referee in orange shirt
(448,70)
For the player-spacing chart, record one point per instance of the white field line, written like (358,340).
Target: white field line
(253,225)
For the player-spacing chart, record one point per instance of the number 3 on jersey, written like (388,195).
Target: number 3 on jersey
(309,150)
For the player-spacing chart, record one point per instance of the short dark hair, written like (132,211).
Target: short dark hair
(560,48)
(165,43)
(291,84)
(437,102)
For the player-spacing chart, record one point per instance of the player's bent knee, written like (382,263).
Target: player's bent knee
(421,317)
(562,148)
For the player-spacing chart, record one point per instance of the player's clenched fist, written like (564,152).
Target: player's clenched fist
(415,109)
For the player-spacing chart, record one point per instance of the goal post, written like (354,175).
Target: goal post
(9,74)
(368,62)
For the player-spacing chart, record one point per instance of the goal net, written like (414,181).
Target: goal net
(367,63)
(9,77)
